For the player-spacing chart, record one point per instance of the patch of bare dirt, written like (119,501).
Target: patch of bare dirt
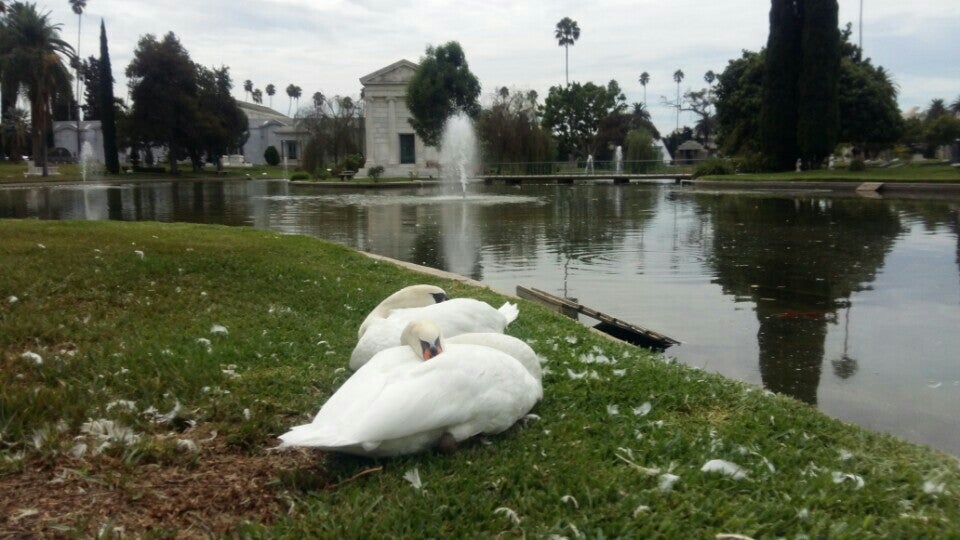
(211,496)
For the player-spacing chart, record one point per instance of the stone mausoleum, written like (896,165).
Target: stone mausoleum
(390,139)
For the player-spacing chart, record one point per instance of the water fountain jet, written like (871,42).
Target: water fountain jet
(458,152)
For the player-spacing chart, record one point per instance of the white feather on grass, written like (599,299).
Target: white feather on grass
(32,357)
(510,514)
(667,481)
(139,254)
(413,476)
(643,410)
(932,488)
(570,499)
(219,329)
(724,467)
(840,477)
(12,299)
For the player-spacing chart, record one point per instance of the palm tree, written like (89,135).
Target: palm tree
(248,88)
(291,89)
(567,33)
(271,90)
(644,79)
(678,77)
(318,99)
(937,109)
(30,59)
(78,6)
(297,92)
(955,106)
(257,96)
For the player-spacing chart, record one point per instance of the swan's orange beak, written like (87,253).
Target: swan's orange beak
(430,351)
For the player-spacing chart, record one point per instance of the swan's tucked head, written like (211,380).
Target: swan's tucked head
(418,296)
(414,296)
(424,338)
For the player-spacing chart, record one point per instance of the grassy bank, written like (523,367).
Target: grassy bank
(907,173)
(13,173)
(126,320)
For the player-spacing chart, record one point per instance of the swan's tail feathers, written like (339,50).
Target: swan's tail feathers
(314,436)
(509,311)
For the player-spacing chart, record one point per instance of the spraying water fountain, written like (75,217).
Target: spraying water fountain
(589,168)
(618,160)
(88,161)
(458,152)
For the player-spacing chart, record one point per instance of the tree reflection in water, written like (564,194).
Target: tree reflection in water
(798,260)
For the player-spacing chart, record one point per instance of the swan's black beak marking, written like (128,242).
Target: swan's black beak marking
(430,351)
(440,297)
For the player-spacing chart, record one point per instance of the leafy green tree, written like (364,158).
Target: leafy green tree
(510,134)
(16,133)
(333,130)
(936,109)
(30,59)
(641,155)
(675,139)
(220,124)
(941,130)
(738,94)
(818,106)
(614,129)
(108,105)
(442,85)
(573,114)
(567,33)
(869,116)
(644,80)
(163,88)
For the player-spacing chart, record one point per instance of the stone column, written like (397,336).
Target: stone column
(393,140)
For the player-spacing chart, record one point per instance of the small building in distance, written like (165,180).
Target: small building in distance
(390,140)
(690,152)
(271,128)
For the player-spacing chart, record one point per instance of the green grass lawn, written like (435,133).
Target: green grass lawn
(907,173)
(13,173)
(123,317)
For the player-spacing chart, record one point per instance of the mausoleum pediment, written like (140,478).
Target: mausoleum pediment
(396,73)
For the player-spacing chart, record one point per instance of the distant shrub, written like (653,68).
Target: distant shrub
(321,173)
(642,156)
(857,165)
(300,175)
(713,166)
(353,162)
(271,155)
(750,163)
(903,153)
(375,172)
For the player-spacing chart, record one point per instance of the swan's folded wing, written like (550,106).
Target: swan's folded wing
(474,387)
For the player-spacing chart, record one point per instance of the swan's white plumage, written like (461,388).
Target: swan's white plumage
(398,403)
(454,317)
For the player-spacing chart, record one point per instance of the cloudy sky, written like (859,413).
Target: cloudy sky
(327,45)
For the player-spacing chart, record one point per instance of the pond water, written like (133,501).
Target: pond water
(849,304)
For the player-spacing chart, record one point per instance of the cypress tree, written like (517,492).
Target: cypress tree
(779,110)
(108,120)
(818,100)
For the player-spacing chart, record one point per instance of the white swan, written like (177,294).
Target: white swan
(384,325)
(407,297)
(399,404)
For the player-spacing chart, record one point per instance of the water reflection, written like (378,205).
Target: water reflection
(799,261)
(766,288)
